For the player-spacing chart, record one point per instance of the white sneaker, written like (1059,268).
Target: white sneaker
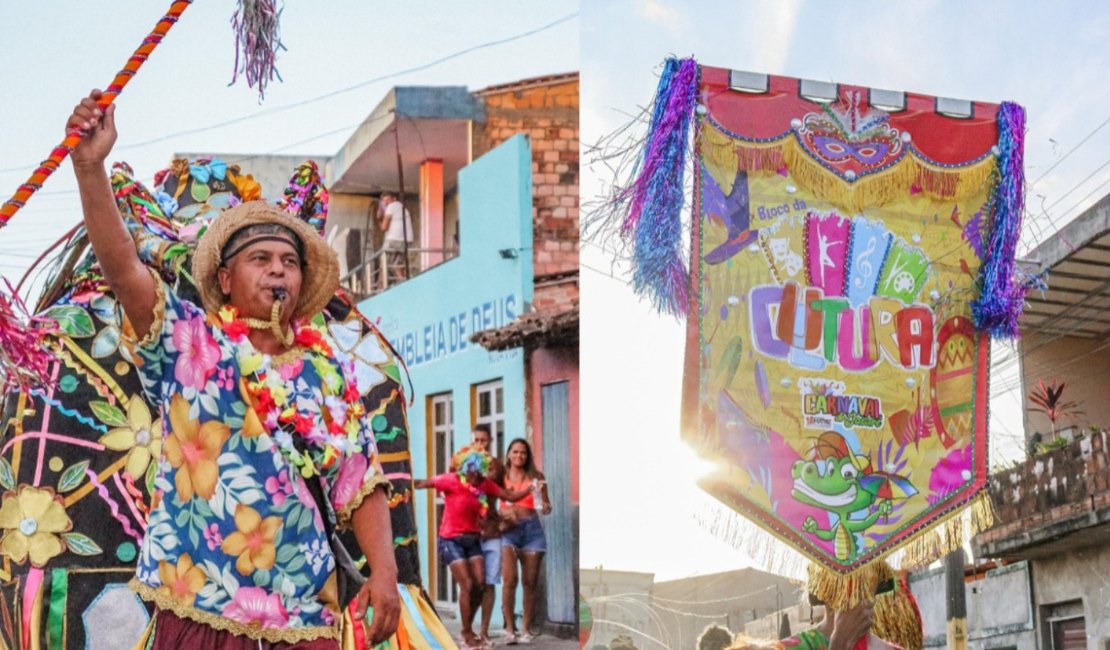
(526,637)
(511,638)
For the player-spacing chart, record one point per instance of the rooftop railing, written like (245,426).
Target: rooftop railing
(387,268)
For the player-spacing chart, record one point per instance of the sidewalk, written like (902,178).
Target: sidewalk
(541,642)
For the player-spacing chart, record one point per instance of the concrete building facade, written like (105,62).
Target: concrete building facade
(546,109)
(674,613)
(490,179)
(1054,517)
(1064,328)
(620,605)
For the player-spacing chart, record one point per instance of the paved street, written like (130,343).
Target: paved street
(542,642)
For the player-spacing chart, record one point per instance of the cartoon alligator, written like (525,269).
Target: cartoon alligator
(833,480)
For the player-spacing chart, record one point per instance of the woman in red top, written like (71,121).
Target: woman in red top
(523,541)
(466,495)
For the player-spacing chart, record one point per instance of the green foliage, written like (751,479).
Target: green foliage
(108,414)
(81,544)
(7,476)
(72,320)
(1049,401)
(73,476)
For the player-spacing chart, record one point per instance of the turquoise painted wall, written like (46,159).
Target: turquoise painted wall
(430,318)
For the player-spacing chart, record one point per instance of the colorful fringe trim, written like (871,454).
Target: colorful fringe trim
(897,618)
(911,174)
(842,590)
(60,152)
(656,195)
(24,359)
(257,41)
(1001,293)
(306,196)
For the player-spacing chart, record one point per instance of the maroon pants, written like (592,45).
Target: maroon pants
(171,632)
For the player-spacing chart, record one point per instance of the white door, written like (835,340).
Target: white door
(442,408)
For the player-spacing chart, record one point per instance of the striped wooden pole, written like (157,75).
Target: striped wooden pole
(60,152)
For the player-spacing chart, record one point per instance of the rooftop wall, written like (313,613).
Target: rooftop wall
(1058,498)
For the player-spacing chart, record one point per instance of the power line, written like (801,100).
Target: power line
(279,109)
(600,272)
(1087,196)
(1076,186)
(1071,151)
(598,621)
(685,602)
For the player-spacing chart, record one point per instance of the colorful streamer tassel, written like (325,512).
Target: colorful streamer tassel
(1002,294)
(657,194)
(257,42)
(306,196)
(24,359)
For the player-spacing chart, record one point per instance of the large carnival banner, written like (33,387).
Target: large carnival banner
(849,265)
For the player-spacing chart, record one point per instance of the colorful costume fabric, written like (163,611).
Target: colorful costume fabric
(65,583)
(234,538)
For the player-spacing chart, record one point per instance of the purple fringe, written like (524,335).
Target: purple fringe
(656,195)
(257,41)
(1001,292)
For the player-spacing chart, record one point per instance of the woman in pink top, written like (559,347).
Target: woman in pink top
(466,495)
(523,540)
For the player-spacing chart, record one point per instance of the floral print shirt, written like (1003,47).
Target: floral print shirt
(234,538)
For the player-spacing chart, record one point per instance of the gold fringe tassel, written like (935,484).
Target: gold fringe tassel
(949,534)
(723,155)
(896,616)
(841,589)
(760,160)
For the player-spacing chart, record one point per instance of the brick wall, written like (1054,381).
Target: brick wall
(1053,487)
(556,292)
(547,111)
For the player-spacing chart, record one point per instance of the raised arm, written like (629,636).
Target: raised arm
(383,218)
(423,484)
(129,280)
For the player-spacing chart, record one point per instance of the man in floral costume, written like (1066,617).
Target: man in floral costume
(255,403)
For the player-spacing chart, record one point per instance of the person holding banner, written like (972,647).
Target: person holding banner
(846,630)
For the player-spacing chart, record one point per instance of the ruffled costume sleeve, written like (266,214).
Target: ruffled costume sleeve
(176,323)
(360,473)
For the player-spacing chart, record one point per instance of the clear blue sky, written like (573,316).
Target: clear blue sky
(1050,57)
(55,52)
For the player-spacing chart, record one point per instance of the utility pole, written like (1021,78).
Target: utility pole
(957,599)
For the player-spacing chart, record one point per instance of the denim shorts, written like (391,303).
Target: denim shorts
(526,536)
(491,551)
(460,547)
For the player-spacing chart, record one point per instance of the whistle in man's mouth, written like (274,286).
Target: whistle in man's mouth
(280,294)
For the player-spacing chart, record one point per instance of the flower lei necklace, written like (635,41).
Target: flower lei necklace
(265,389)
